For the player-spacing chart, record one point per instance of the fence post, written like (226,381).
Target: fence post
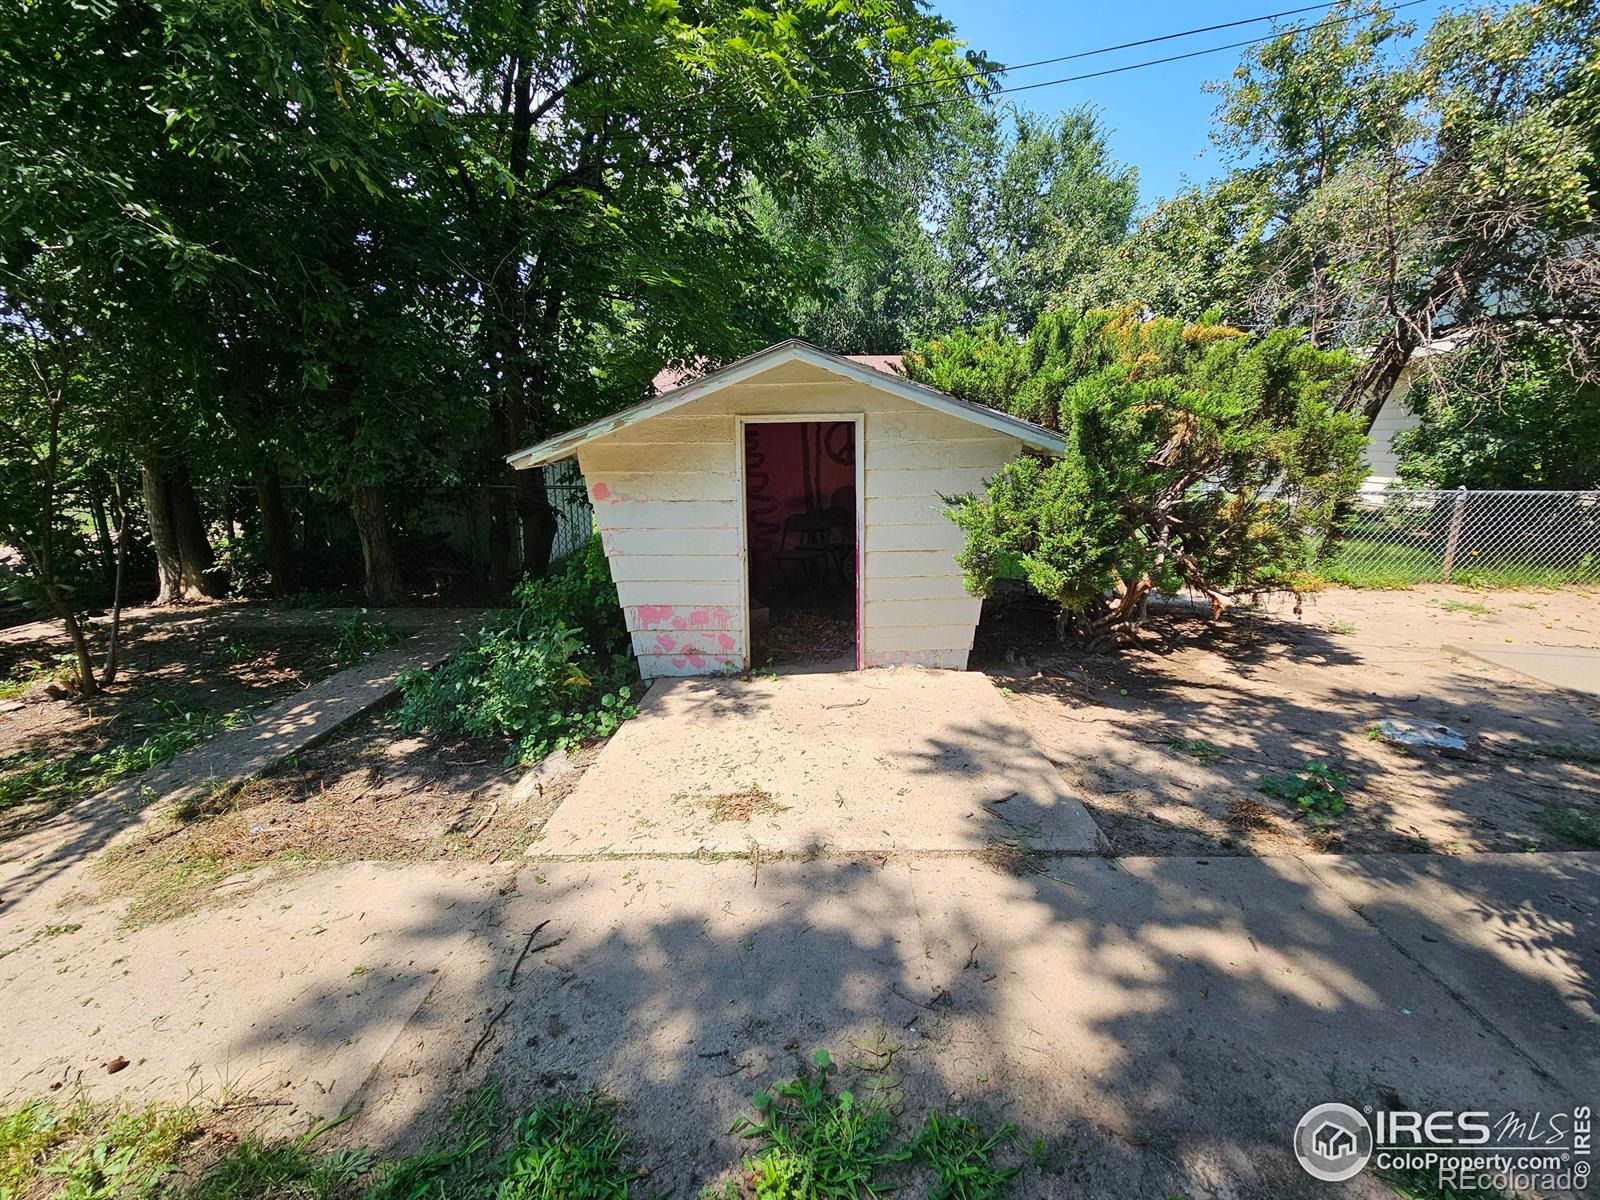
(1454,539)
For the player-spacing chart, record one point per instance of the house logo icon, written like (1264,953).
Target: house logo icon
(1333,1142)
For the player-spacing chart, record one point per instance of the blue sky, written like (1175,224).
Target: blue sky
(1158,118)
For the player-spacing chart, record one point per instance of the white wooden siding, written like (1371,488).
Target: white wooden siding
(668,508)
(1394,417)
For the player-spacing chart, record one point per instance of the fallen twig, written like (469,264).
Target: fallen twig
(527,949)
(483,822)
(483,1038)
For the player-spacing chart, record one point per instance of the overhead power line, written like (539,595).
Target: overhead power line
(1388,10)
(1078,54)
(1172,58)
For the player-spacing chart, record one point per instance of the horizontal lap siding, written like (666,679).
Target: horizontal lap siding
(667,506)
(916,609)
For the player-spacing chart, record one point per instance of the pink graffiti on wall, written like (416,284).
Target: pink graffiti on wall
(679,617)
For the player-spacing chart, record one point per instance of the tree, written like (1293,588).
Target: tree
(48,421)
(1454,190)
(1196,252)
(1541,429)
(604,158)
(1023,205)
(1197,456)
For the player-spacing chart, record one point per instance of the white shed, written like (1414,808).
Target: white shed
(794,490)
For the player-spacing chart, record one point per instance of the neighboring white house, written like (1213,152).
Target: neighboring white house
(673,502)
(1396,417)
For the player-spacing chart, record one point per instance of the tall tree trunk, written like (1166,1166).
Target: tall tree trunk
(377,549)
(173,586)
(275,532)
(499,501)
(113,647)
(194,549)
(102,529)
(538,521)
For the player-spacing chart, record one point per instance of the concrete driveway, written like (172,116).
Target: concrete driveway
(854,762)
(1158,1023)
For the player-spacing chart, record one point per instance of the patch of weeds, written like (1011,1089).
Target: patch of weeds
(549,675)
(1343,627)
(32,671)
(1571,823)
(567,1149)
(458,1163)
(960,1153)
(1199,749)
(1551,751)
(256,1169)
(814,1143)
(29,1134)
(359,637)
(28,779)
(127,1157)
(60,780)
(1471,607)
(743,804)
(1423,1184)
(233,651)
(75,1152)
(1317,792)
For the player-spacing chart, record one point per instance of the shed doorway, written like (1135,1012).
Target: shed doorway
(802,526)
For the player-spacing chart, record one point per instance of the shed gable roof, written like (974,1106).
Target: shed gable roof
(869,373)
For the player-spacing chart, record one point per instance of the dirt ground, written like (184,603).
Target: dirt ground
(373,793)
(1168,743)
(202,681)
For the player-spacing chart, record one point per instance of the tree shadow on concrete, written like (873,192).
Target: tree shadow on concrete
(1161,745)
(1160,1024)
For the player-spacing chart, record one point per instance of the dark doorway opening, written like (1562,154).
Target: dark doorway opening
(800,542)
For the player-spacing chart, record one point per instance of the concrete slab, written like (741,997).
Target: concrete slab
(864,761)
(1159,1023)
(292,993)
(1516,938)
(1575,668)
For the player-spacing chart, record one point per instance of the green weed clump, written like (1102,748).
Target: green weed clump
(1317,791)
(72,1152)
(818,1144)
(553,674)
(829,1147)
(283,1169)
(360,636)
(28,779)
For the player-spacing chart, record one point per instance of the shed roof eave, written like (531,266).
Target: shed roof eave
(566,444)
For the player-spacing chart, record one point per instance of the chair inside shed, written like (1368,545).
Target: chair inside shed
(800,530)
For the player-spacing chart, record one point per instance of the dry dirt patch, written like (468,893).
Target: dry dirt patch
(49,737)
(371,793)
(1168,743)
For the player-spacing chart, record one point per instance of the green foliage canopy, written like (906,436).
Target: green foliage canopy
(1541,429)
(1197,456)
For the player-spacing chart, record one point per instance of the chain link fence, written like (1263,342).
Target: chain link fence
(1490,538)
(574,513)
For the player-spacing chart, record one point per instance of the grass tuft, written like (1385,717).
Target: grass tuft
(960,1153)
(567,1149)
(1571,823)
(816,1144)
